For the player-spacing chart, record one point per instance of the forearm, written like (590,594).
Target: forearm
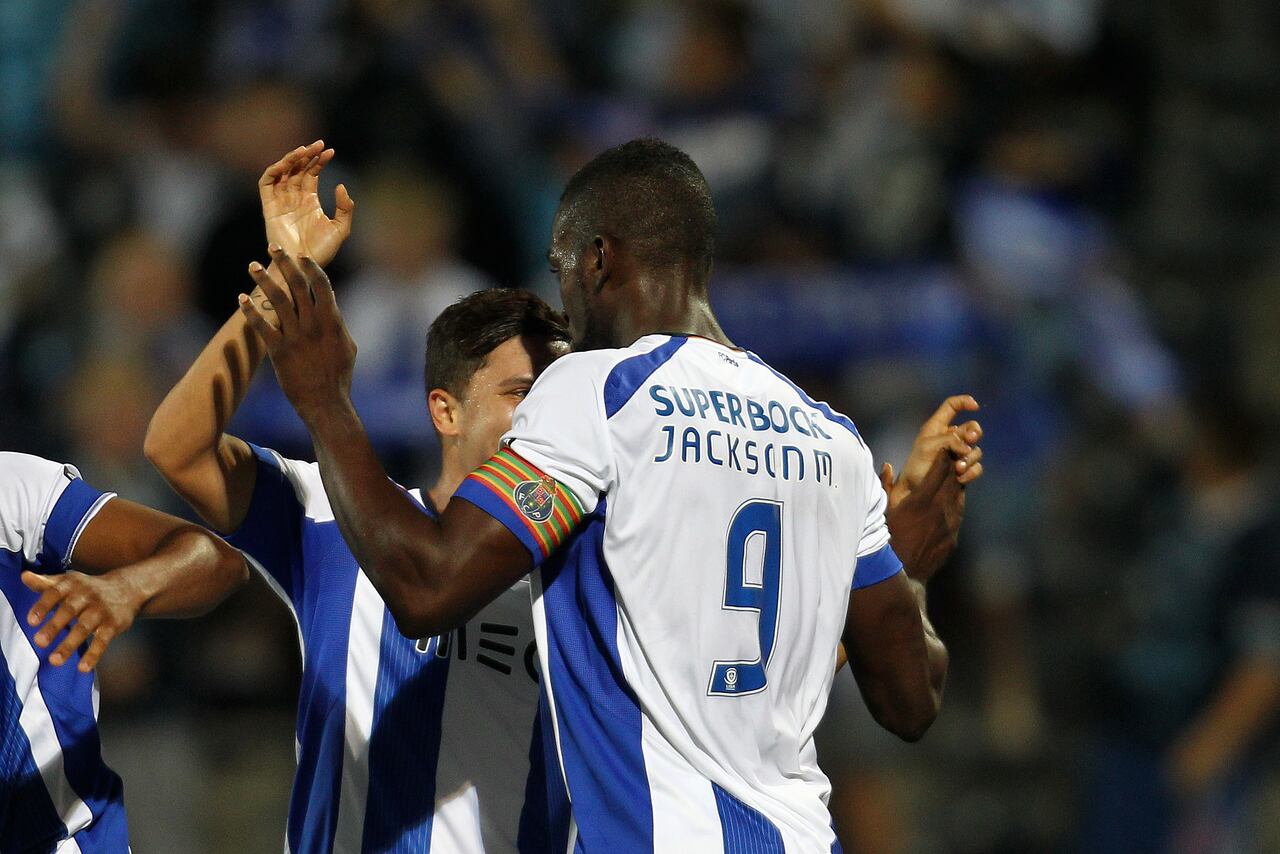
(1244,706)
(896,656)
(190,572)
(394,542)
(939,658)
(186,439)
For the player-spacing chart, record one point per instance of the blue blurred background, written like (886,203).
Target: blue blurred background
(1068,208)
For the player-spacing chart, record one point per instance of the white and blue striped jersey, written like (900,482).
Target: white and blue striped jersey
(56,793)
(699,522)
(403,745)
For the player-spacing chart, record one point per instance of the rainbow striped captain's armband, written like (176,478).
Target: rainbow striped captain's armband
(532,505)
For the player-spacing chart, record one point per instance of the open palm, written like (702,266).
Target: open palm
(291,208)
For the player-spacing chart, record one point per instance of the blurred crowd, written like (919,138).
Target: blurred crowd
(1068,208)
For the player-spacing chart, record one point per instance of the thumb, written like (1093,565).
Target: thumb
(344,209)
(886,477)
(38,583)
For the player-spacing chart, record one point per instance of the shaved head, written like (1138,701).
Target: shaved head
(652,198)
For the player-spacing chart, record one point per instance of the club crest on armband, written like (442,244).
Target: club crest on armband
(536,498)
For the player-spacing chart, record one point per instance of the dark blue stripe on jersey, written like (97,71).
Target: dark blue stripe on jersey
(404,745)
(599,716)
(322,702)
(628,375)
(558,812)
(745,830)
(271,532)
(68,695)
(67,514)
(535,823)
(876,567)
(829,413)
(28,820)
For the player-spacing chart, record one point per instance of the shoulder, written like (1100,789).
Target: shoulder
(30,485)
(303,478)
(612,375)
(829,417)
(30,488)
(590,367)
(19,470)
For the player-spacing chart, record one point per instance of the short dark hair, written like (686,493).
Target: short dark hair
(466,332)
(651,196)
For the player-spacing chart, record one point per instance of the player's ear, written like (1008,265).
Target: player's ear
(445,410)
(600,265)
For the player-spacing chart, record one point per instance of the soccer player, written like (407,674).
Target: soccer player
(77,566)
(420,743)
(705,533)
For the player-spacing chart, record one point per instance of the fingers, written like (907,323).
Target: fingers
(326,302)
(281,304)
(299,287)
(946,413)
(948,441)
(67,611)
(79,633)
(280,172)
(257,320)
(344,208)
(101,640)
(972,473)
(966,463)
(311,175)
(970,431)
(52,595)
(297,178)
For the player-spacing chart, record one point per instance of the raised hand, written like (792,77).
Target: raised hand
(99,606)
(291,208)
(927,503)
(938,435)
(309,345)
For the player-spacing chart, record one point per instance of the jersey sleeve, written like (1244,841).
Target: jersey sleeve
(876,559)
(44,507)
(271,533)
(556,461)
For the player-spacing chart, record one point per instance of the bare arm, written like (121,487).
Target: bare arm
(213,471)
(433,574)
(131,561)
(897,658)
(1243,707)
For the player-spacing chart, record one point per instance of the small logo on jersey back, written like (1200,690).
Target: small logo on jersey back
(536,498)
(731,679)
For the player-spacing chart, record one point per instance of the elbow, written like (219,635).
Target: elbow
(908,718)
(416,619)
(230,570)
(418,612)
(911,728)
(234,568)
(224,563)
(159,451)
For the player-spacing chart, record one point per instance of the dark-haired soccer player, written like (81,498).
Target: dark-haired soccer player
(705,533)
(404,744)
(77,567)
